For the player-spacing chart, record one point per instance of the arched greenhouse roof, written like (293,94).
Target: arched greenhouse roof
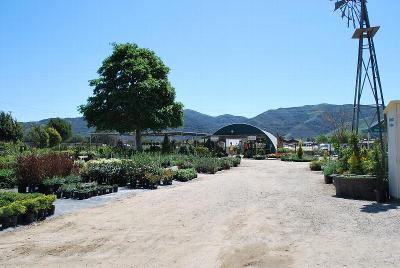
(246,130)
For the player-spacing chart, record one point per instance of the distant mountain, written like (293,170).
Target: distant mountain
(297,122)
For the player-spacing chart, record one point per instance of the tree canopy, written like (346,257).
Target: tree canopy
(63,127)
(132,93)
(10,129)
(54,137)
(39,136)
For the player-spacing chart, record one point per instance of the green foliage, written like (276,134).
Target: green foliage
(330,167)
(10,129)
(283,150)
(354,164)
(185,174)
(7,178)
(186,149)
(62,127)
(300,151)
(39,136)
(166,145)
(380,164)
(14,204)
(259,157)
(343,161)
(202,151)
(295,158)
(321,139)
(132,93)
(207,165)
(13,209)
(108,171)
(54,137)
(316,165)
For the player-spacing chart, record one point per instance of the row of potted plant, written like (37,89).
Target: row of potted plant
(184,175)
(82,191)
(24,209)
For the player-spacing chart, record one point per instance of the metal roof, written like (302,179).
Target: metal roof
(246,130)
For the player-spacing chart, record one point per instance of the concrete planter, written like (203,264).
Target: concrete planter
(356,187)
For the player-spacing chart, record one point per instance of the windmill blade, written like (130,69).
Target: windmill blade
(339,4)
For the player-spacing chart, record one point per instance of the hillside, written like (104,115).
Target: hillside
(304,121)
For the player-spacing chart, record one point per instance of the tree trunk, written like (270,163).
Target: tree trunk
(138,137)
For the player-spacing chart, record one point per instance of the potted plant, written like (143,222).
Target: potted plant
(115,188)
(329,171)
(42,209)
(31,210)
(50,207)
(315,165)
(9,214)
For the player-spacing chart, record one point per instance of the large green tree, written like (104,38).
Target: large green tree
(63,127)
(132,93)
(10,129)
(39,136)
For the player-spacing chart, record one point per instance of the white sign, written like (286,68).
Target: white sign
(214,138)
(252,138)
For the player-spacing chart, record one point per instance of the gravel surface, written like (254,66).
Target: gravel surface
(262,214)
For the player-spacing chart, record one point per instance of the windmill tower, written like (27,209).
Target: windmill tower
(356,14)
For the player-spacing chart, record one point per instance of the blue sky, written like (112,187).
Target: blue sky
(236,57)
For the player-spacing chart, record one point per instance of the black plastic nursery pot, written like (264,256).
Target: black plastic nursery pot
(80,196)
(50,211)
(5,222)
(355,187)
(328,179)
(115,189)
(41,215)
(29,218)
(66,194)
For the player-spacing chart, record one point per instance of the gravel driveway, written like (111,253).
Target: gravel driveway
(262,214)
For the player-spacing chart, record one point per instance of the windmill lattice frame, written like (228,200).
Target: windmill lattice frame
(356,14)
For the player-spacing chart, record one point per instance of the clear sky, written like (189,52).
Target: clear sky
(236,57)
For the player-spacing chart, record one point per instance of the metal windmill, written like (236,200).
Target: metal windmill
(355,13)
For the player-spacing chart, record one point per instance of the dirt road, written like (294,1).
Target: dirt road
(262,214)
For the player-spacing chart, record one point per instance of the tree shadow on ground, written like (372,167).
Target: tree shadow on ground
(375,208)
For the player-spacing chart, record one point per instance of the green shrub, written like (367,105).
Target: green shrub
(166,145)
(186,149)
(300,151)
(315,165)
(8,161)
(13,209)
(225,163)
(185,174)
(202,151)
(7,178)
(295,158)
(330,167)
(166,176)
(54,137)
(207,165)
(355,164)
(282,150)
(108,171)
(14,204)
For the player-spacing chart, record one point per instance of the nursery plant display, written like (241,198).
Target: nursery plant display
(16,208)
